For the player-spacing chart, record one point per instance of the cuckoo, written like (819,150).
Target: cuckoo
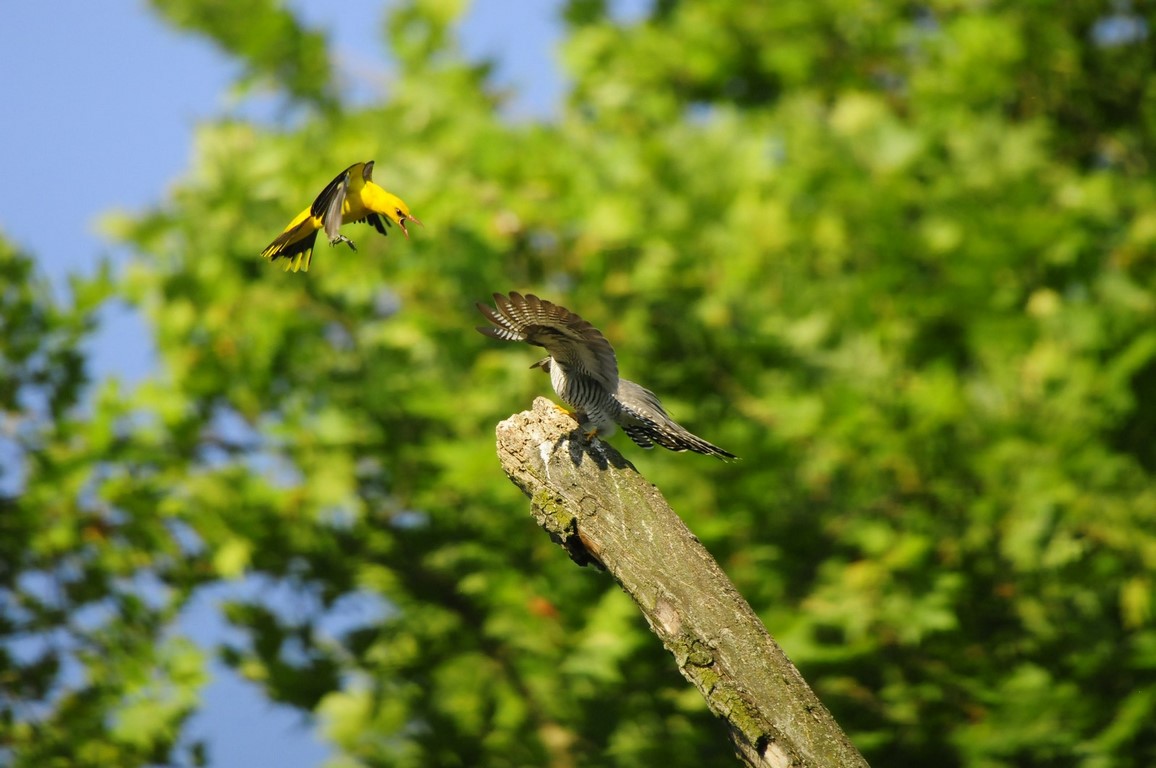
(584,371)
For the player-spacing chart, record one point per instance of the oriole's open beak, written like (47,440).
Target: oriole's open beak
(414,219)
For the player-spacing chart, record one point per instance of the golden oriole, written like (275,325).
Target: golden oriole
(351,197)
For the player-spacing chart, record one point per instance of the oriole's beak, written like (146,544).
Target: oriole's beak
(401,223)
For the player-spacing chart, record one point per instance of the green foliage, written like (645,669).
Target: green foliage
(90,575)
(900,259)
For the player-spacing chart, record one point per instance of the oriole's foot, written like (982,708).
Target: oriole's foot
(343,239)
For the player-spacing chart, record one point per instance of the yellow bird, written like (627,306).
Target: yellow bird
(351,197)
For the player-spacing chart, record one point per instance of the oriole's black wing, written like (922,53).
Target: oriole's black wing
(377,222)
(329,203)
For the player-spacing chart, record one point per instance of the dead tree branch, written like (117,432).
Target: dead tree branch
(596,505)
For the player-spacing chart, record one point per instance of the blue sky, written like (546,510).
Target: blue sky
(104,96)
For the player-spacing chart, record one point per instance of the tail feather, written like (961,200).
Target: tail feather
(680,439)
(647,423)
(297,253)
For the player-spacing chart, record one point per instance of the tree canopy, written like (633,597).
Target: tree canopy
(901,258)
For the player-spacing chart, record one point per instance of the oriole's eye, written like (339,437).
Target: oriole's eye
(400,214)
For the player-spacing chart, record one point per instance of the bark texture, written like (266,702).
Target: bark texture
(596,505)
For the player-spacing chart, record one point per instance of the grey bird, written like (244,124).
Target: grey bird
(584,372)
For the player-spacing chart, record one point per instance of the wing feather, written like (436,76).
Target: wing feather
(377,223)
(571,341)
(330,203)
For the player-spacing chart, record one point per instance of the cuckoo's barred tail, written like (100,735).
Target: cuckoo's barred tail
(677,439)
(647,423)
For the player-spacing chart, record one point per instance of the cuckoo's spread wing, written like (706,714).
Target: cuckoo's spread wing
(573,343)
